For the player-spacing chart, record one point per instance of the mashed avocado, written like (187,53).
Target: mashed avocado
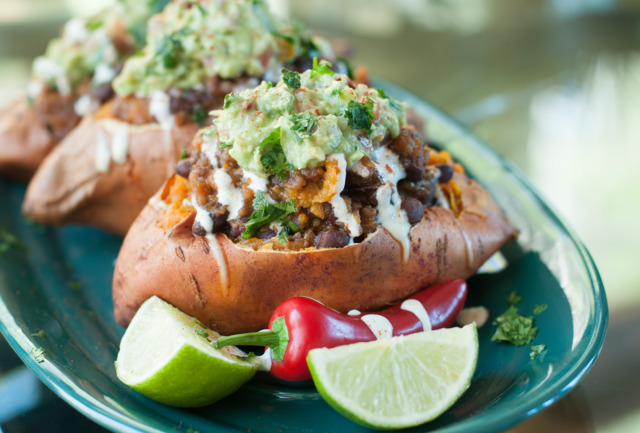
(302,120)
(86,45)
(191,41)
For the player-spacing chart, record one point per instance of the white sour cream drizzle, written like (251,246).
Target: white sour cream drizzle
(159,108)
(218,254)
(203,218)
(390,214)
(379,325)
(85,105)
(103,155)
(48,69)
(338,204)
(414,306)
(228,194)
(103,74)
(256,182)
(120,144)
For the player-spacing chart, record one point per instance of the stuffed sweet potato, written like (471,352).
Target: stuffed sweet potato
(196,54)
(313,187)
(72,79)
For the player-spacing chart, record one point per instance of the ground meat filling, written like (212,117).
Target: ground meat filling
(317,225)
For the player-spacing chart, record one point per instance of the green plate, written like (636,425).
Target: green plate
(60,282)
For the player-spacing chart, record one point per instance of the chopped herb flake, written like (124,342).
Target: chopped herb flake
(231,98)
(266,213)
(202,333)
(8,240)
(291,79)
(199,115)
(170,51)
(225,145)
(273,158)
(38,354)
(184,153)
(321,68)
(360,115)
(539,309)
(303,123)
(536,350)
(513,298)
(288,228)
(514,328)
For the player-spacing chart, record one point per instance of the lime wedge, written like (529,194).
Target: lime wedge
(165,354)
(397,382)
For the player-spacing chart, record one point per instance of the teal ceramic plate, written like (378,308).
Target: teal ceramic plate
(60,283)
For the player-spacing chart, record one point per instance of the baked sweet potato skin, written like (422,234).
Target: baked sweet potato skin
(233,290)
(24,140)
(70,188)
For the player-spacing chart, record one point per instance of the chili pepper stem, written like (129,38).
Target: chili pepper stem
(261,338)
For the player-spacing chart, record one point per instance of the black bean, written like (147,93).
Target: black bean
(332,239)
(103,92)
(446,173)
(413,208)
(198,230)
(265,233)
(219,217)
(183,167)
(235,229)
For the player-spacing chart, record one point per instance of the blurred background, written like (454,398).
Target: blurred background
(553,85)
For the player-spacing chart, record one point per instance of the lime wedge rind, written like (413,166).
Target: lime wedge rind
(400,382)
(166,356)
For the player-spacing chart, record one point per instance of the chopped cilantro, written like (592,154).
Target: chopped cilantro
(514,328)
(202,333)
(537,309)
(536,350)
(199,115)
(360,115)
(273,157)
(303,123)
(231,98)
(38,354)
(291,79)
(394,104)
(40,334)
(184,153)
(93,24)
(8,240)
(170,51)
(322,68)
(266,213)
(288,228)
(225,145)
(74,285)
(156,6)
(513,298)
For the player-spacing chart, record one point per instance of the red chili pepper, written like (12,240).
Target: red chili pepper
(300,324)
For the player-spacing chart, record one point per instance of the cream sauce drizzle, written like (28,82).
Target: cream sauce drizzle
(103,155)
(203,218)
(256,182)
(159,108)
(379,325)
(414,306)
(390,214)
(120,144)
(338,204)
(228,194)
(218,254)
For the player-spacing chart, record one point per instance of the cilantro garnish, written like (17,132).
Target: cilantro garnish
(322,68)
(231,98)
(536,350)
(184,153)
(303,123)
(360,115)
(266,213)
(8,240)
(170,51)
(273,157)
(38,354)
(225,145)
(156,6)
(513,327)
(291,79)
(513,299)
(394,104)
(199,115)
(288,228)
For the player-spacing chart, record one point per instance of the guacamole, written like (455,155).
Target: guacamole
(191,41)
(304,118)
(86,46)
